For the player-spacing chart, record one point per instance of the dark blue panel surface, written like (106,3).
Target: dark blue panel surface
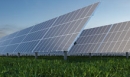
(44,25)
(2,48)
(26,47)
(35,35)
(6,42)
(17,39)
(24,31)
(10,48)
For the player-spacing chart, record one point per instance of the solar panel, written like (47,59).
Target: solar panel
(57,34)
(112,38)
(116,39)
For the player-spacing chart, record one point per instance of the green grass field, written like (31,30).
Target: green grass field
(57,67)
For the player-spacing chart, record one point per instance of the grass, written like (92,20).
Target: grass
(57,67)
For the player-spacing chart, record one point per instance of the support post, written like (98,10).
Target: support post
(101,54)
(81,54)
(18,55)
(89,55)
(49,54)
(65,55)
(127,55)
(36,54)
(7,54)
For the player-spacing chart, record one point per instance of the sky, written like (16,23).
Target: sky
(19,14)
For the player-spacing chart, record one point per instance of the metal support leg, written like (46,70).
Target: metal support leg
(7,54)
(36,54)
(101,54)
(49,54)
(89,55)
(127,55)
(65,55)
(18,55)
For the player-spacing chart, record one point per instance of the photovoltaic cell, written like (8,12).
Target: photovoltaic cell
(17,39)
(26,47)
(10,48)
(6,42)
(24,31)
(1,49)
(38,35)
(43,25)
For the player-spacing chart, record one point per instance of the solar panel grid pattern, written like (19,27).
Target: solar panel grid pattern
(113,38)
(13,40)
(63,29)
(117,40)
(6,40)
(89,40)
(56,34)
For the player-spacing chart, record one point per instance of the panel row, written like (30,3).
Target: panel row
(57,34)
(113,38)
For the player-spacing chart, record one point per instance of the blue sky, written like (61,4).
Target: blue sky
(19,14)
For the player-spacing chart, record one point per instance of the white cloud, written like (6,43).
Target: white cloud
(8,29)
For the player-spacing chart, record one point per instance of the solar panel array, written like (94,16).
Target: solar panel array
(57,34)
(114,38)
